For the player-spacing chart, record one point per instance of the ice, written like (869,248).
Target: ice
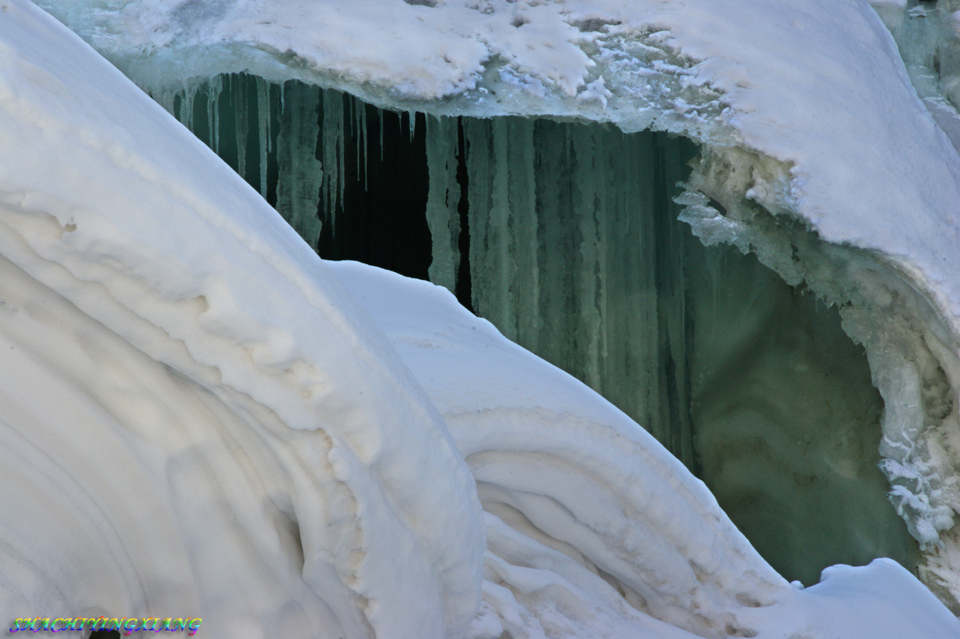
(442,207)
(300,173)
(818,158)
(263,129)
(815,149)
(333,152)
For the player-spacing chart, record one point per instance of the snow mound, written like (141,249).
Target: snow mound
(198,416)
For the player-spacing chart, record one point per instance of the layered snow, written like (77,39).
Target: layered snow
(196,416)
(568,481)
(201,417)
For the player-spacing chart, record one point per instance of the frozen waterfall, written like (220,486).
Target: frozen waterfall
(546,164)
(565,236)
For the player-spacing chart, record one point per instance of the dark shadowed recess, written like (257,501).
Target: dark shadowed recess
(565,235)
(383,226)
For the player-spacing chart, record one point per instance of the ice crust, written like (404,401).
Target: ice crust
(163,295)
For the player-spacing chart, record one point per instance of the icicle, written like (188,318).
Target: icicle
(332,156)
(637,261)
(672,286)
(501,231)
(355,117)
(341,151)
(587,188)
(242,124)
(168,100)
(300,173)
(185,114)
(359,133)
(213,111)
(380,115)
(263,129)
(552,195)
(477,137)
(443,200)
(412,121)
(526,226)
(363,146)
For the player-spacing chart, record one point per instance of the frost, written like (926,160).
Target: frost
(596,90)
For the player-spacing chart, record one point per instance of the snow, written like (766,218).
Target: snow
(569,482)
(211,382)
(200,416)
(827,121)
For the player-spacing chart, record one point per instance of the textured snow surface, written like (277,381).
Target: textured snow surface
(195,415)
(198,418)
(573,474)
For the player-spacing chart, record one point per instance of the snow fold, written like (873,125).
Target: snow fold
(214,375)
(593,528)
(199,419)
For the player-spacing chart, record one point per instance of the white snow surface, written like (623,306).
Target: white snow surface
(196,417)
(589,482)
(199,417)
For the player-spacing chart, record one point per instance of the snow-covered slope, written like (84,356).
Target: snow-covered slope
(816,152)
(198,418)
(568,482)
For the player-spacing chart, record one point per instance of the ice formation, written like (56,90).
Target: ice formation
(236,438)
(797,124)
(574,251)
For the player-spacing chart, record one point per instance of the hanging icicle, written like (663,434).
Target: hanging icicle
(332,136)
(213,112)
(443,200)
(300,173)
(263,130)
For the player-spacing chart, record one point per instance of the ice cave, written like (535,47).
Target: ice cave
(482,319)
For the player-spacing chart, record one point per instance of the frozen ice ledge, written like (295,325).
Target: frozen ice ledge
(816,154)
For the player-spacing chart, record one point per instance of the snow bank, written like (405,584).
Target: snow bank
(234,438)
(196,417)
(586,511)
(818,155)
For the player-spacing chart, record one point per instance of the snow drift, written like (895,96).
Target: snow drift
(817,154)
(235,438)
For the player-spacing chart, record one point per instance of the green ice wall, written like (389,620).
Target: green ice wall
(565,236)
